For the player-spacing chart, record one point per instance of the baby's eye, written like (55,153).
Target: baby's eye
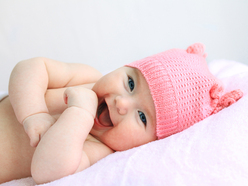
(130,83)
(142,117)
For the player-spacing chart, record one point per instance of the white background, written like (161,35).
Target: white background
(110,33)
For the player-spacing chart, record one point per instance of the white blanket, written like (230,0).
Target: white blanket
(212,152)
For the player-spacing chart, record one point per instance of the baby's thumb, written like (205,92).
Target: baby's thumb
(34,139)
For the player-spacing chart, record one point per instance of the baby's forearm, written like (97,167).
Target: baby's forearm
(59,152)
(27,86)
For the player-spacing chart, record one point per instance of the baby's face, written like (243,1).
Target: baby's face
(126,113)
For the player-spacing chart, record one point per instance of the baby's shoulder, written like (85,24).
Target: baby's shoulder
(95,149)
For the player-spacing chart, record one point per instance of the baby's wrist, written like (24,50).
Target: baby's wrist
(44,115)
(81,111)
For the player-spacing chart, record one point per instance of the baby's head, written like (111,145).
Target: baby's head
(158,96)
(183,89)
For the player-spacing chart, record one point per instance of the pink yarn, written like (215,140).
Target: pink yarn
(183,89)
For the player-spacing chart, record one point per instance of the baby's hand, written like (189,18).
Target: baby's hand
(81,97)
(36,126)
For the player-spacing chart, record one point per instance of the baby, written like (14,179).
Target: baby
(49,131)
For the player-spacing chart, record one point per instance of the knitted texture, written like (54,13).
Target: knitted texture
(183,89)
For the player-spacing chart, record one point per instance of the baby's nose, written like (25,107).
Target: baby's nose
(122,104)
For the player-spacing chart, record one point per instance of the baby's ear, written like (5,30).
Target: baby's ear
(197,48)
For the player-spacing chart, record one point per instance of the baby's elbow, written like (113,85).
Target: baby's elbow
(29,61)
(43,174)
(38,176)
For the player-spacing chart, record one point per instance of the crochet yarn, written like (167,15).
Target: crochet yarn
(183,89)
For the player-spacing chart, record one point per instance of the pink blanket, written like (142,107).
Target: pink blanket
(212,152)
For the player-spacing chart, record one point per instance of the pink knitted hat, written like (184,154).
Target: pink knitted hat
(183,89)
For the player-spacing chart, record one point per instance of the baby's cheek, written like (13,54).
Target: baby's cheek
(116,140)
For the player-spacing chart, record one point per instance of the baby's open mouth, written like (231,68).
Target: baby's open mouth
(103,115)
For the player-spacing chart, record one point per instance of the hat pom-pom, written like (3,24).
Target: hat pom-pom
(197,48)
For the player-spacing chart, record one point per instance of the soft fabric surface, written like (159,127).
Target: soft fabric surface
(212,152)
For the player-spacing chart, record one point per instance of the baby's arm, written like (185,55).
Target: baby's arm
(61,150)
(28,84)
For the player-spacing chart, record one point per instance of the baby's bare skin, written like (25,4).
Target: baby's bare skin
(15,151)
